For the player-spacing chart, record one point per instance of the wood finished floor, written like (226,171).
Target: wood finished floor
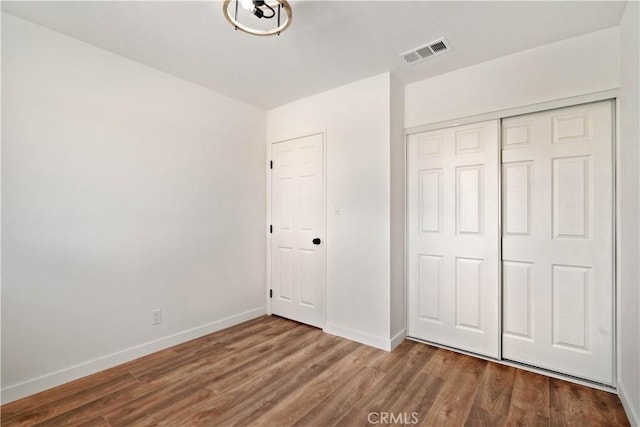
(275,372)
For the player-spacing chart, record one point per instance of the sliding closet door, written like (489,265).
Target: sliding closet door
(557,196)
(453,237)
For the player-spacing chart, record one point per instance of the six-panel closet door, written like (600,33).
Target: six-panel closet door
(546,294)
(557,225)
(453,237)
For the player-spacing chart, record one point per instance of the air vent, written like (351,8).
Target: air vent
(426,51)
(412,57)
(437,47)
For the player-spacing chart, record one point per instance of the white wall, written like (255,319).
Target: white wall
(629,214)
(124,190)
(398,297)
(576,66)
(356,118)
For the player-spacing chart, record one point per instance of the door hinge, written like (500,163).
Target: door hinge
(270,293)
(270,164)
(271,229)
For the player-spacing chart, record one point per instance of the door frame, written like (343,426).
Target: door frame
(268,223)
(614,96)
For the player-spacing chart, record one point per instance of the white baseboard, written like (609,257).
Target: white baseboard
(398,338)
(359,336)
(632,415)
(66,375)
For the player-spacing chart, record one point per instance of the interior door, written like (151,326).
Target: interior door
(298,221)
(557,192)
(453,237)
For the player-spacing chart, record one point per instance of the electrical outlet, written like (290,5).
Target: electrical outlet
(157,316)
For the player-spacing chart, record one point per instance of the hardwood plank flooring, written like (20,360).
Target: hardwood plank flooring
(276,372)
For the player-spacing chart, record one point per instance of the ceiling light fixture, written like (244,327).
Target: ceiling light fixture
(258,17)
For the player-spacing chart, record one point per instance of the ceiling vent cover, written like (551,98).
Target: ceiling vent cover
(429,50)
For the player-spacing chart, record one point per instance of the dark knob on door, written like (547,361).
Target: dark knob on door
(317,241)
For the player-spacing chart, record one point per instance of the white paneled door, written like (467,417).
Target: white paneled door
(453,237)
(557,210)
(297,241)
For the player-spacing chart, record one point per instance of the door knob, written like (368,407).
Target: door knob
(317,241)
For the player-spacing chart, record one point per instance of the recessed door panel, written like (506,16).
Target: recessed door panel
(570,315)
(430,203)
(516,205)
(284,207)
(571,127)
(307,278)
(469,199)
(571,197)
(469,140)
(285,270)
(430,146)
(516,136)
(468,286)
(516,285)
(430,281)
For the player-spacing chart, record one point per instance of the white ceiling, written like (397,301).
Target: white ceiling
(330,43)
